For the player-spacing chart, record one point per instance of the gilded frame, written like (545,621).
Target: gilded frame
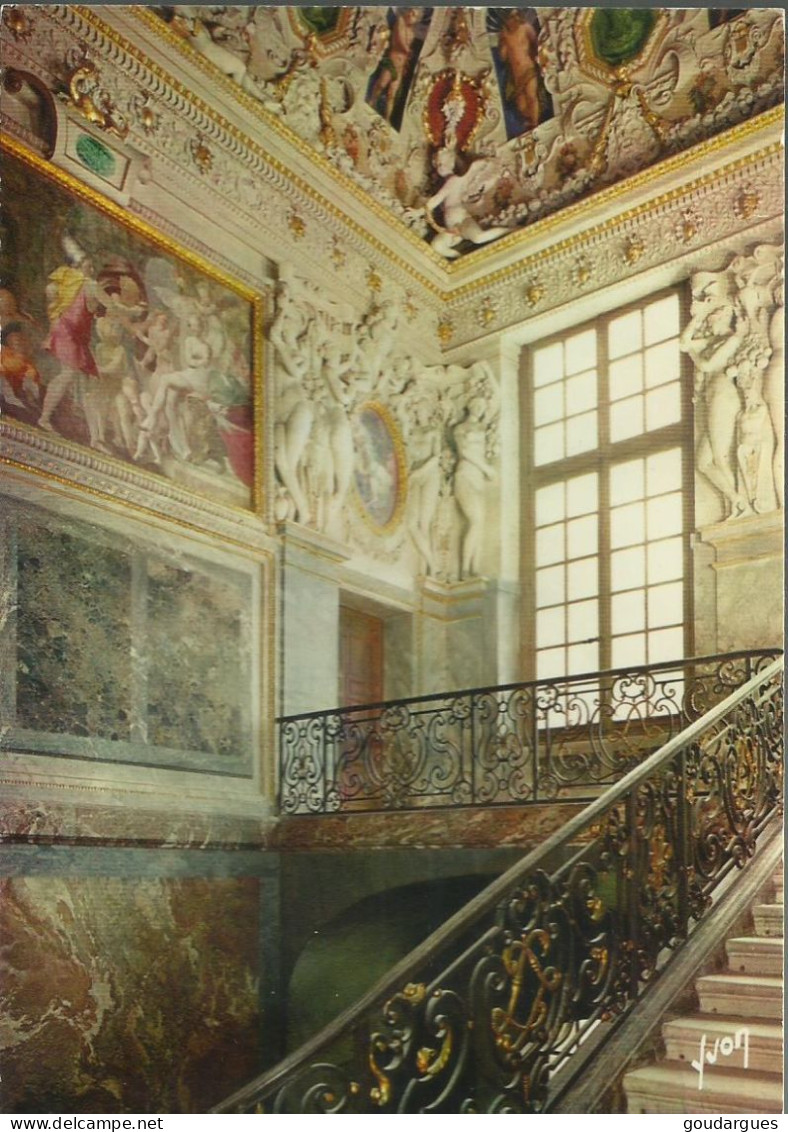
(399,474)
(231,433)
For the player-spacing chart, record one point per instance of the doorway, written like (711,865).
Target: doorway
(360,658)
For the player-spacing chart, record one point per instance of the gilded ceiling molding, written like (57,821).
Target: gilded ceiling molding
(611,79)
(728,139)
(700,215)
(243,141)
(688,192)
(237,141)
(60,465)
(157,91)
(162,31)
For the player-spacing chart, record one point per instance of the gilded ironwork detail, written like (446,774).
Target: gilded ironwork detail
(501,1001)
(550,741)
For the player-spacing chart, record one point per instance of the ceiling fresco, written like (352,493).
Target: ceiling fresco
(466,123)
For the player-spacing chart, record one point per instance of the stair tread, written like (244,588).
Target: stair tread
(756,955)
(739,1083)
(706,1023)
(733,978)
(748,1000)
(769,942)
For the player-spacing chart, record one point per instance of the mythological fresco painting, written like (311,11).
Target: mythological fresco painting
(114,342)
(505,115)
(391,80)
(391,543)
(378,469)
(524,97)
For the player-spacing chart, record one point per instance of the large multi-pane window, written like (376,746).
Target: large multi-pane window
(610,503)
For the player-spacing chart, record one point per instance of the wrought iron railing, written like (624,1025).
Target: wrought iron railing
(521,743)
(492,1013)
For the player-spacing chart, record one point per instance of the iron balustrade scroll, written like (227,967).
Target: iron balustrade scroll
(520,743)
(492,1013)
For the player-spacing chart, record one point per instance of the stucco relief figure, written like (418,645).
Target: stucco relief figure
(714,334)
(294,411)
(446,535)
(774,392)
(754,454)
(736,346)
(424,441)
(375,338)
(454,197)
(332,466)
(317,470)
(760,376)
(473,439)
(194,30)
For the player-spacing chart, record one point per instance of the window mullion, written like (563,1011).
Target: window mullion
(688,482)
(528,627)
(665,424)
(603,386)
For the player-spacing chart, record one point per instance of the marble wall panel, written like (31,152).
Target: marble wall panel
(311,668)
(73,607)
(197,646)
(399,657)
(495,827)
(34,819)
(756,622)
(122,649)
(128,994)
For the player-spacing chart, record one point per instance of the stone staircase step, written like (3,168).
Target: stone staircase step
(743,996)
(673,1087)
(763,1040)
(740,1008)
(768,919)
(755,955)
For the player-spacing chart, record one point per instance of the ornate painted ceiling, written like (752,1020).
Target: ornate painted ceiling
(467,123)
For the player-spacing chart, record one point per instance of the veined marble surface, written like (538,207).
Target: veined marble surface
(128,994)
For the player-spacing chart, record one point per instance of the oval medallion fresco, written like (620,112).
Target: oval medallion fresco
(379,470)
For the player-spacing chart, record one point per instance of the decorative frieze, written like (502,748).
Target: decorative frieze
(713,209)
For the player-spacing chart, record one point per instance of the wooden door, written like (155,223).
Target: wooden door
(360,658)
